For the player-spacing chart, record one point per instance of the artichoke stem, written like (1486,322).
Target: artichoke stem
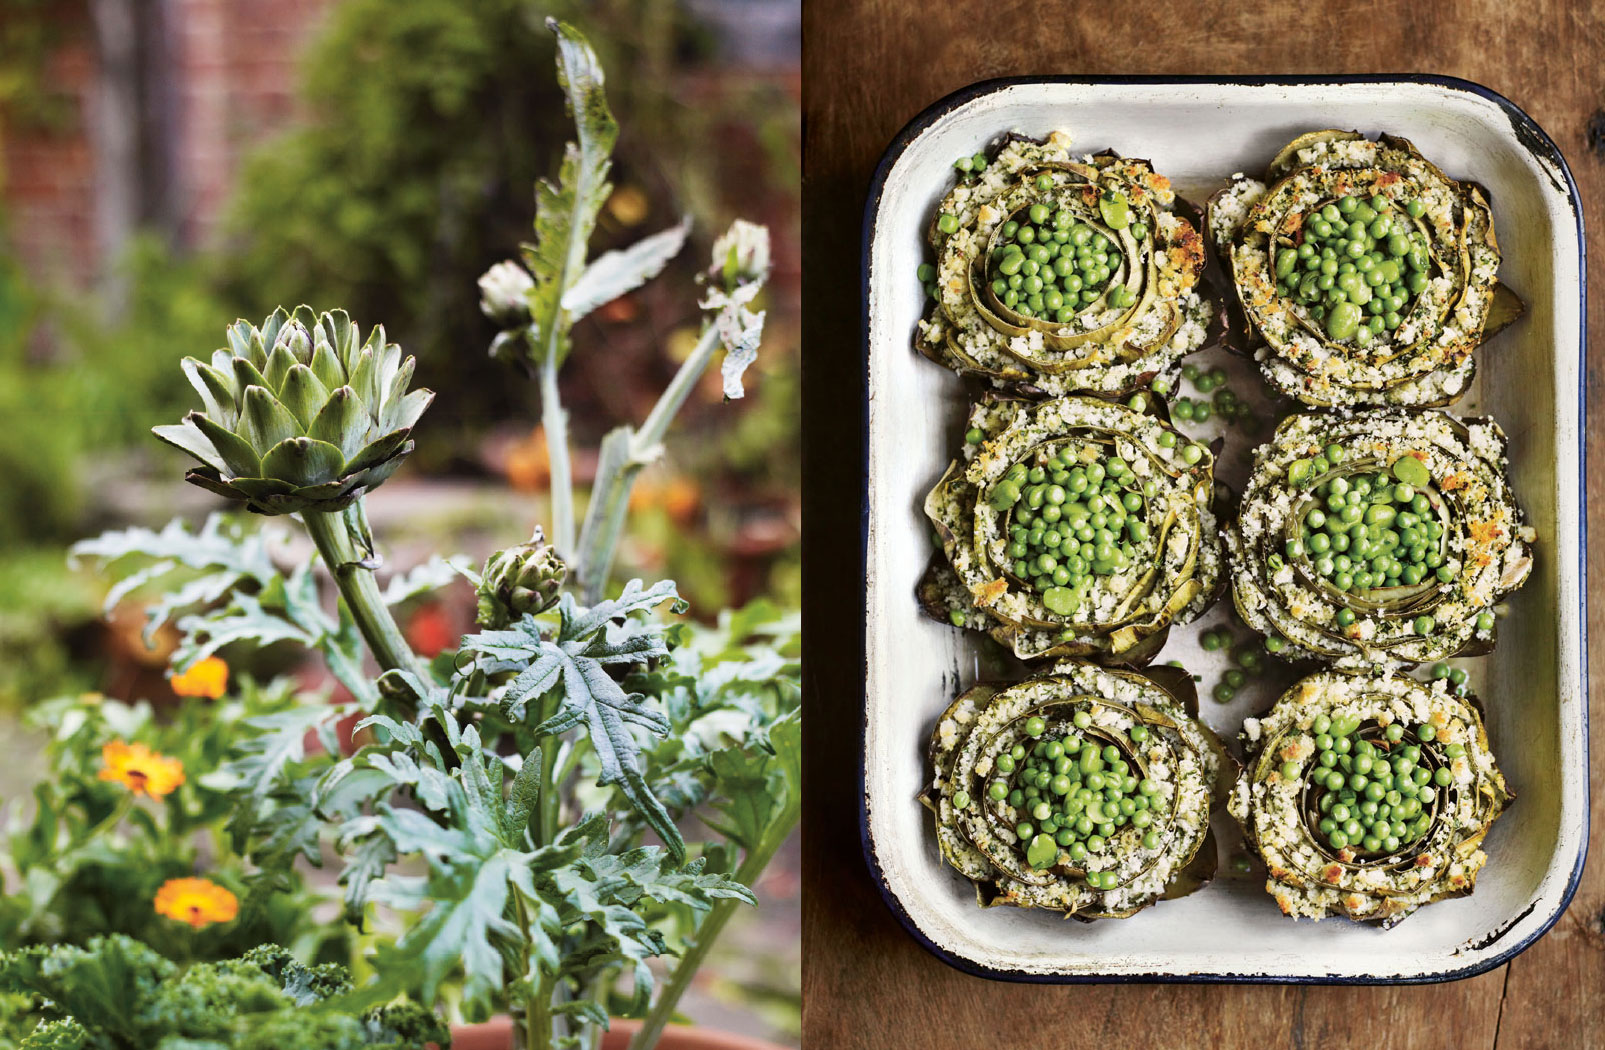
(554,420)
(624,453)
(361,593)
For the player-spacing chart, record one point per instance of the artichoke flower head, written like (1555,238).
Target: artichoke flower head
(300,414)
(523,580)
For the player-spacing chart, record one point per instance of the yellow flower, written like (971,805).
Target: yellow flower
(208,678)
(199,902)
(143,771)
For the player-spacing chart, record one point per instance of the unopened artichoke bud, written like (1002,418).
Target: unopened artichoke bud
(503,294)
(520,581)
(741,255)
(300,414)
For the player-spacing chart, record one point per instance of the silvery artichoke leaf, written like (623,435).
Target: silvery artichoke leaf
(566,209)
(617,273)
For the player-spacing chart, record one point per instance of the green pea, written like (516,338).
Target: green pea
(947,223)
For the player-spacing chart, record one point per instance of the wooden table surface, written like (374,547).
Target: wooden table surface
(871,65)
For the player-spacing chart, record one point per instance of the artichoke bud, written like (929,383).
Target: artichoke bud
(520,581)
(298,414)
(503,294)
(294,339)
(741,255)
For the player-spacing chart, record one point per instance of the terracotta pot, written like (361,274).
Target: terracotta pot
(498,1035)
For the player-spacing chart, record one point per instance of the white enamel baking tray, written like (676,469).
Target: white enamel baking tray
(1198,132)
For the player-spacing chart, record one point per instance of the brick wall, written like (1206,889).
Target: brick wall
(232,82)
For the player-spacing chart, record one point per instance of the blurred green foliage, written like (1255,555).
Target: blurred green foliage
(412,173)
(76,393)
(86,865)
(76,389)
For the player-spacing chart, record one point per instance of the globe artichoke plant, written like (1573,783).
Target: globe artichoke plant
(1083,790)
(1056,274)
(1074,527)
(1368,796)
(1378,537)
(1363,275)
(300,414)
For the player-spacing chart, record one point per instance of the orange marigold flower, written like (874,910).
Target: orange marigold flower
(143,771)
(199,902)
(208,678)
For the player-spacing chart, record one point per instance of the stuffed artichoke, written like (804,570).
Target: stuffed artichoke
(1059,275)
(1380,537)
(1368,796)
(1073,527)
(1363,275)
(1085,791)
(300,414)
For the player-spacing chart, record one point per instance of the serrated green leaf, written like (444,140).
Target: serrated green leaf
(244,621)
(576,662)
(223,552)
(368,852)
(746,795)
(461,929)
(566,209)
(428,576)
(524,797)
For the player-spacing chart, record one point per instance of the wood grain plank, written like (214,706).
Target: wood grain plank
(871,65)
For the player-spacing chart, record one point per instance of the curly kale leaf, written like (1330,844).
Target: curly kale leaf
(95,985)
(117,994)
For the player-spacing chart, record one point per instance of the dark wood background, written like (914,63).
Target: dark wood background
(868,67)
